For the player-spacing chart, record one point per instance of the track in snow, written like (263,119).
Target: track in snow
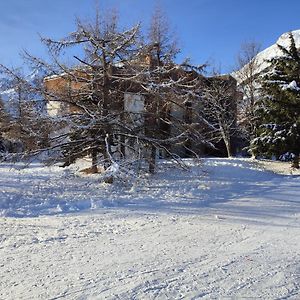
(232,234)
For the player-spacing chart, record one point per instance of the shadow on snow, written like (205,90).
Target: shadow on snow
(233,189)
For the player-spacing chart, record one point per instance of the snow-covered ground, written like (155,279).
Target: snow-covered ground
(226,229)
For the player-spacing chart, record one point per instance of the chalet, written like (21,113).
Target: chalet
(66,93)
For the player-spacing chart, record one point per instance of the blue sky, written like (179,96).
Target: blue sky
(207,29)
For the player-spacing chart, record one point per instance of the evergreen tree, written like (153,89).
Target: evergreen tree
(279,114)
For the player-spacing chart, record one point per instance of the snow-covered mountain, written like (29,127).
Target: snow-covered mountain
(273,51)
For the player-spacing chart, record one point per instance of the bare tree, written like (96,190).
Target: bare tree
(161,50)
(90,97)
(25,112)
(219,108)
(119,97)
(162,38)
(171,88)
(248,67)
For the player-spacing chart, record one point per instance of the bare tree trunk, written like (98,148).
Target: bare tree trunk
(228,148)
(227,141)
(94,168)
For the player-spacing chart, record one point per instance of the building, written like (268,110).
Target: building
(144,115)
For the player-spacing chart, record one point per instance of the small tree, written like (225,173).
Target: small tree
(279,116)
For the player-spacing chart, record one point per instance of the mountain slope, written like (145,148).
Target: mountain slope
(272,51)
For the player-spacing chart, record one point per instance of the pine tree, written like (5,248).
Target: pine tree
(279,114)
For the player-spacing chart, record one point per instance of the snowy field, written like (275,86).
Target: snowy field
(226,229)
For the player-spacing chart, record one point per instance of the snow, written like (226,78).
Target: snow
(291,86)
(273,51)
(227,228)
